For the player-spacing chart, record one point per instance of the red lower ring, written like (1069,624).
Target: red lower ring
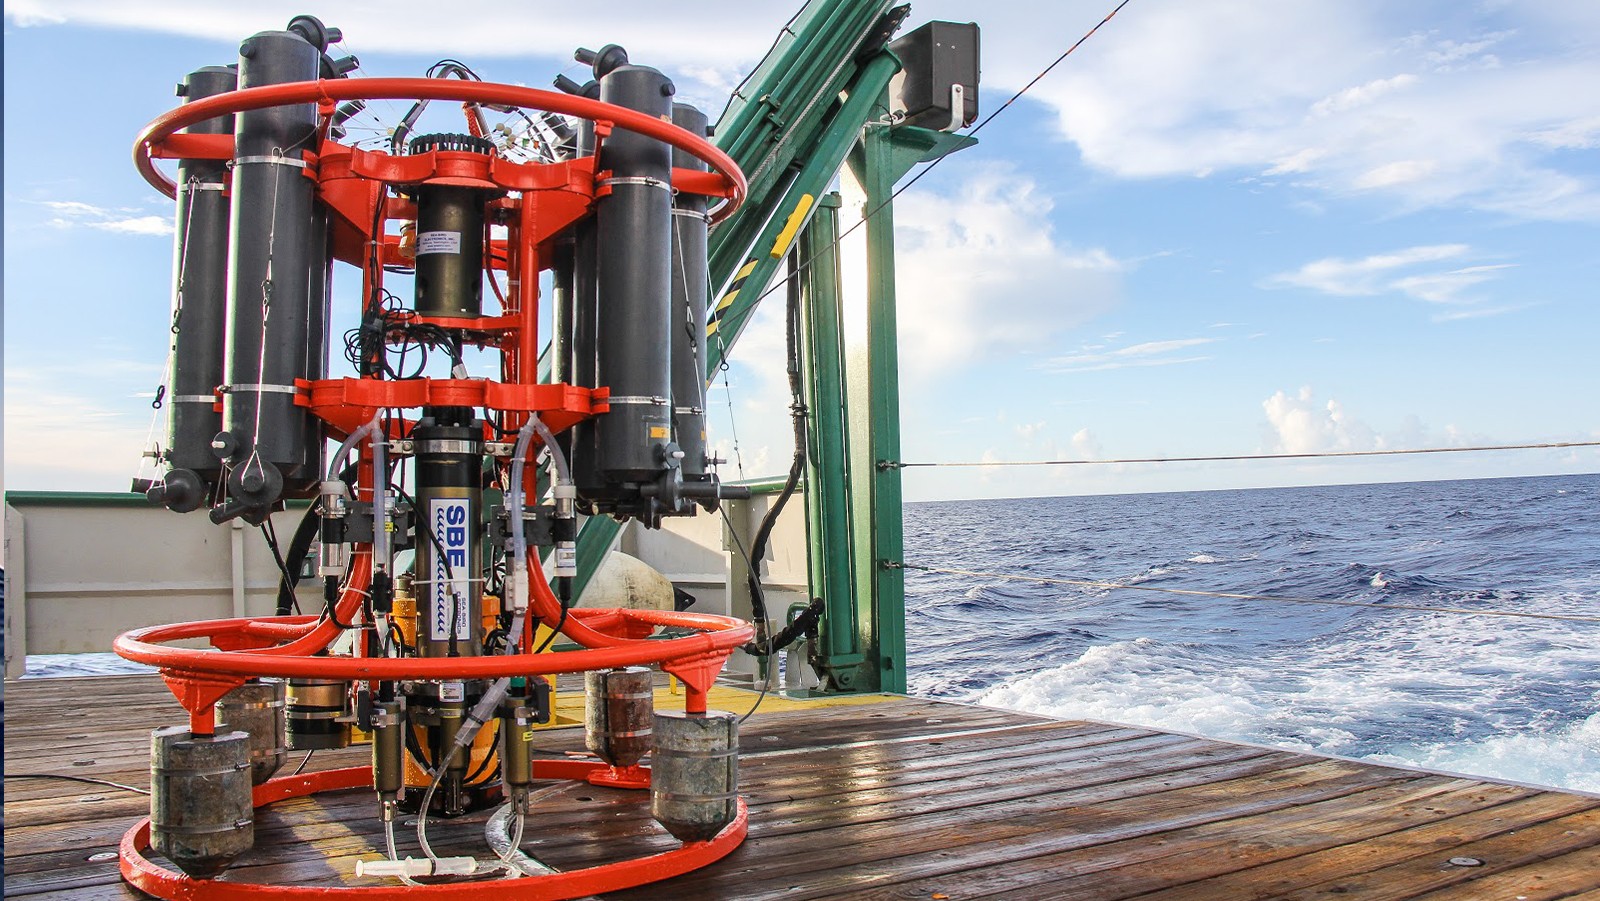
(139,872)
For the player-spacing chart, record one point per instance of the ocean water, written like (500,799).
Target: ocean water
(1501,697)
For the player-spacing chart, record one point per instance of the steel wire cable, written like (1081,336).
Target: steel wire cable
(900,464)
(90,780)
(1241,596)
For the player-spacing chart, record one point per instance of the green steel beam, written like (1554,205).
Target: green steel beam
(775,119)
(734,307)
(884,155)
(831,552)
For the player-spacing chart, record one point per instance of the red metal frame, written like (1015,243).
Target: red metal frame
(160,139)
(141,873)
(353,184)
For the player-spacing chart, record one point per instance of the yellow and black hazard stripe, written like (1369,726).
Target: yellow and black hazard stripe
(715,320)
(780,246)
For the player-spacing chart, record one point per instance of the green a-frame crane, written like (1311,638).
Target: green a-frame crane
(818,108)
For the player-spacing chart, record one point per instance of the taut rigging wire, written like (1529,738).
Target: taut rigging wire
(806,264)
(900,464)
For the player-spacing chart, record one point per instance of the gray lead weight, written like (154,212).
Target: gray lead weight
(201,816)
(618,705)
(256,708)
(694,775)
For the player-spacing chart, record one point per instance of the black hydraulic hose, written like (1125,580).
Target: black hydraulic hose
(294,561)
(764,643)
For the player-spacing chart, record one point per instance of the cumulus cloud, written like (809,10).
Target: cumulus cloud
(1336,97)
(980,272)
(1404,271)
(76,214)
(1086,445)
(1096,357)
(1302,424)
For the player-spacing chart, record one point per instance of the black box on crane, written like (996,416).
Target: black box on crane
(937,57)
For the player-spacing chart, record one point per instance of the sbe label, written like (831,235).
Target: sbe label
(447,517)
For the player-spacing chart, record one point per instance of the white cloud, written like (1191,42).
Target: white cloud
(721,33)
(1027,431)
(1301,424)
(1342,96)
(1388,273)
(1399,172)
(980,273)
(1446,287)
(76,214)
(1361,95)
(1086,445)
(1093,358)
(1477,313)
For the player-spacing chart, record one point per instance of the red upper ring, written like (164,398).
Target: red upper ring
(169,123)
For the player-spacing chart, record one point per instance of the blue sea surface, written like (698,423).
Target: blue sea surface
(1502,697)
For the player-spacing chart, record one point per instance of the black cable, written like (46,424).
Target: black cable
(303,761)
(286,581)
(564,588)
(754,602)
(797,466)
(89,779)
(492,757)
(299,547)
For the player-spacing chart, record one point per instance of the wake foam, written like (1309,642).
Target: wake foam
(1326,707)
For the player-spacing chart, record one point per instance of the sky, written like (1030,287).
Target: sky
(1221,227)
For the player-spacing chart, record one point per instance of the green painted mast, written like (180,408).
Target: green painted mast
(815,108)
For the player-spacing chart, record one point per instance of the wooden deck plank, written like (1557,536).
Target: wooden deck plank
(1130,867)
(1565,877)
(898,799)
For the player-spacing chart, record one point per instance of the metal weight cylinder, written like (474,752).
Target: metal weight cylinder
(315,707)
(200,807)
(689,297)
(199,308)
(694,775)
(618,705)
(257,709)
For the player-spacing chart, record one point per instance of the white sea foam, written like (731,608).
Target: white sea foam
(1567,757)
(1203,558)
(1151,573)
(1123,682)
(1331,702)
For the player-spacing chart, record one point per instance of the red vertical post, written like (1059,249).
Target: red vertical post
(510,363)
(528,291)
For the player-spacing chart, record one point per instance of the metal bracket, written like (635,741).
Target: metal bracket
(958,107)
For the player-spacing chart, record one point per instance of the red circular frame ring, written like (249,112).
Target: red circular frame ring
(718,637)
(333,90)
(141,873)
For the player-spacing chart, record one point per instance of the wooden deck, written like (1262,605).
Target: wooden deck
(888,798)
